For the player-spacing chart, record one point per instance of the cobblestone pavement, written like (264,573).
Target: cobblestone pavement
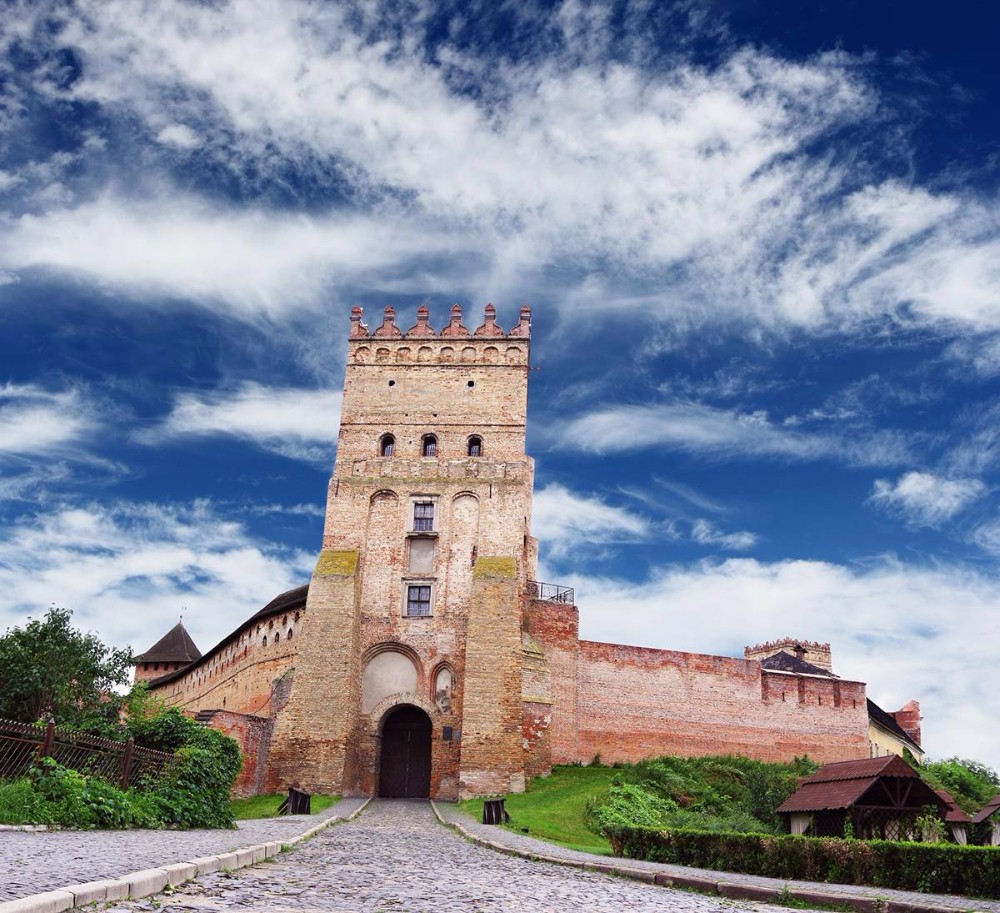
(503,837)
(397,857)
(31,862)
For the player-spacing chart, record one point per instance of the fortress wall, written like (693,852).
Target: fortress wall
(556,628)
(239,675)
(637,702)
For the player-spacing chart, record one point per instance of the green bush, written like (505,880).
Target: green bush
(938,868)
(193,790)
(720,793)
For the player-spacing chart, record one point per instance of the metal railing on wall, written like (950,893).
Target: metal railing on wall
(23,744)
(551,592)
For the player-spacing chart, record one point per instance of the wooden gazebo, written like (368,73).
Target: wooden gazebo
(989,814)
(880,797)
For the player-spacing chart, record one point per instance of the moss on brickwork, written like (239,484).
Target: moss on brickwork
(333,563)
(495,567)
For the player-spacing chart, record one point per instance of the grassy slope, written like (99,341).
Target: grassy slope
(553,807)
(267,806)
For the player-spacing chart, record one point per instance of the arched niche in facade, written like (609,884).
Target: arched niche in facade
(391,670)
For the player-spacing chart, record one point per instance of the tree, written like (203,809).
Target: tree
(52,670)
(971,783)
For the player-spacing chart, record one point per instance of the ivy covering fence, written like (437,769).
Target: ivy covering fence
(930,868)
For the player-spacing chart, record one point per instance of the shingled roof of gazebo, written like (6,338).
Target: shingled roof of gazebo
(987,810)
(844,783)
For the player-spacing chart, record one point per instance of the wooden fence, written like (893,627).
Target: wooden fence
(23,744)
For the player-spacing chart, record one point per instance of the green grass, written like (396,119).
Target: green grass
(553,807)
(16,798)
(267,806)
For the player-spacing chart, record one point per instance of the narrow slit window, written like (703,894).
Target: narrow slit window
(475,446)
(423,517)
(418,600)
(387,445)
(430,448)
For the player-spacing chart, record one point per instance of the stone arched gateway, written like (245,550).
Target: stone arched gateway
(405,753)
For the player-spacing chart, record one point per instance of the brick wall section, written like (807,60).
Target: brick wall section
(240,674)
(312,731)
(536,716)
(908,717)
(636,702)
(556,627)
(492,709)
(254,735)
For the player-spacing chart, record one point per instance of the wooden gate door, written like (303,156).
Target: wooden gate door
(405,768)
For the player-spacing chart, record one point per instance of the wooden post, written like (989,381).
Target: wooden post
(45,750)
(127,762)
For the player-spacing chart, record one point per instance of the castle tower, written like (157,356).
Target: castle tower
(409,672)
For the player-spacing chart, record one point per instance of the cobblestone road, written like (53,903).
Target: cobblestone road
(48,860)
(397,857)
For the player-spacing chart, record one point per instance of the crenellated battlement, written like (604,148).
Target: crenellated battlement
(809,650)
(455,329)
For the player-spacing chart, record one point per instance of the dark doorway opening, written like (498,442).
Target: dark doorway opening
(405,767)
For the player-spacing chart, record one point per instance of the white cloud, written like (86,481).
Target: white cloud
(565,521)
(36,422)
(179,135)
(723,434)
(300,424)
(702,180)
(129,569)
(909,632)
(706,533)
(924,499)
(251,263)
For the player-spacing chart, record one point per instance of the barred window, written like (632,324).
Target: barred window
(423,517)
(475,446)
(418,600)
(430,447)
(387,446)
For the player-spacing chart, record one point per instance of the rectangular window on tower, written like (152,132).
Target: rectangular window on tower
(423,516)
(418,599)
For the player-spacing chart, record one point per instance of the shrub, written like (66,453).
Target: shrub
(195,790)
(940,868)
(717,793)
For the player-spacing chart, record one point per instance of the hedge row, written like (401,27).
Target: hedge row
(931,868)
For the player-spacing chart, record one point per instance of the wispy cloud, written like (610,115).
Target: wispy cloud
(724,434)
(705,532)
(925,499)
(566,521)
(703,179)
(165,558)
(300,424)
(39,422)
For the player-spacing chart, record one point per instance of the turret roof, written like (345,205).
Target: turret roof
(176,646)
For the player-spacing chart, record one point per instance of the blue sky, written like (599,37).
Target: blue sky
(760,240)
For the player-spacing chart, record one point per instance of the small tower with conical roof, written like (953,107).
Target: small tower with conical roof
(173,651)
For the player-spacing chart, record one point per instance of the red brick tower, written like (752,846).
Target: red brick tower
(408,677)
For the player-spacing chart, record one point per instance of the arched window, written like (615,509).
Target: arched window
(475,445)
(265,641)
(277,637)
(430,447)
(387,445)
